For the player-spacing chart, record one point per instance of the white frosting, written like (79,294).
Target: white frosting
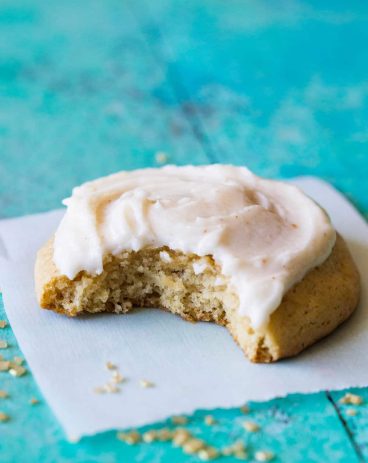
(265,235)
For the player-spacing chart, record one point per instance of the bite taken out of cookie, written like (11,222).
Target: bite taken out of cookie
(210,243)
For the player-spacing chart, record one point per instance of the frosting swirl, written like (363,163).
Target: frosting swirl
(265,235)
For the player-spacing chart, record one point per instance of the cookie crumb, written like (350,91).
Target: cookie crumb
(244,409)
(117,377)
(149,436)
(111,366)
(4,417)
(131,438)
(237,449)
(351,412)
(179,419)
(146,384)
(3,323)
(112,388)
(352,399)
(17,370)
(180,437)
(227,451)
(3,344)
(250,426)
(161,157)
(193,445)
(4,365)
(208,453)
(264,455)
(164,434)
(99,390)
(34,401)
(210,420)
(3,394)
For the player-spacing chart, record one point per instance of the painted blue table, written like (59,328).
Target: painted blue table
(91,87)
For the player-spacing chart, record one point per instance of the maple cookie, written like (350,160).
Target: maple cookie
(210,243)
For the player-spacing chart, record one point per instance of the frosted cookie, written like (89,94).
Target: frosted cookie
(212,243)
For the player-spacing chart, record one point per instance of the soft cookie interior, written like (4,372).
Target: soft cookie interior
(194,288)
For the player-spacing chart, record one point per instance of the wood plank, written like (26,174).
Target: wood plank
(275,88)
(81,96)
(356,424)
(236,78)
(64,71)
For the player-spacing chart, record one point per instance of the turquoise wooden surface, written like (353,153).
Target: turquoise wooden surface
(87,88)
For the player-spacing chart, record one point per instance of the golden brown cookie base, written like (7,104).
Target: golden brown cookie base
(313,308)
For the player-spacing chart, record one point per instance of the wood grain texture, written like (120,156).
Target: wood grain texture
(87,88)
(81,97)
(275,87)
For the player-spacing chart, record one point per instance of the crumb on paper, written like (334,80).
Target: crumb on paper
(111,366)
(3,394)
(99,390)
(3,323)
(117,377)
(146,384)
(164,434)
(241,455)
(351,412)
(111,388)
(18,360)
(3,344)
(34,401)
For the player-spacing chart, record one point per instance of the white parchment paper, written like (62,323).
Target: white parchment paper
(192,365)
